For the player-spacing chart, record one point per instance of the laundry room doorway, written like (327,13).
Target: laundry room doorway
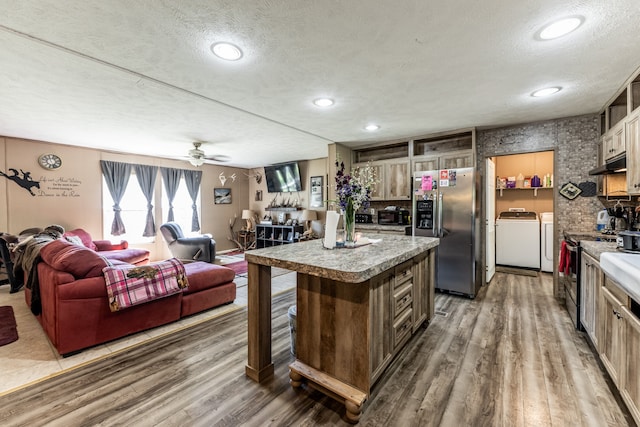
(523,183)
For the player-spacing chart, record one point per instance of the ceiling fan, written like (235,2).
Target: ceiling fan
(197,157)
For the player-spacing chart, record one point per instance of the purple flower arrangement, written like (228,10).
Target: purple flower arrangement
(354,188)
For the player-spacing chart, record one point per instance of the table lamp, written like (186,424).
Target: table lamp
(249,216)
(308,216)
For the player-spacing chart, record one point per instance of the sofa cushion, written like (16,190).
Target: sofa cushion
(84,236)
(132,285)
(131,255)
(81,262)
(203,275)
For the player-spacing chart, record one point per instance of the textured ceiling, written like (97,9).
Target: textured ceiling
(138,76)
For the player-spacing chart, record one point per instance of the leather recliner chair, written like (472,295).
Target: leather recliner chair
(201,248)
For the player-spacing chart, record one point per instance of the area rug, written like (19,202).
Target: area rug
(8,328)
(239,267)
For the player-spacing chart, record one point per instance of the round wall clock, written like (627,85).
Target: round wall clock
(50,161)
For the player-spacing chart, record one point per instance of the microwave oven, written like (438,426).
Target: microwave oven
(397,217)
(364,218)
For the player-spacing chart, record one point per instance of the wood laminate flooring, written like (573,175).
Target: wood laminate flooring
(508,358)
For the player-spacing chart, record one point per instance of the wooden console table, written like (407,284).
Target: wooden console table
(356,308)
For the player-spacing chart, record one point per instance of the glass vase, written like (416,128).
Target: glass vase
(350,225)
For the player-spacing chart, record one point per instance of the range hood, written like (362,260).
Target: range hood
(614,165)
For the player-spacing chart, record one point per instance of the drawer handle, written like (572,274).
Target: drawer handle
(617,314)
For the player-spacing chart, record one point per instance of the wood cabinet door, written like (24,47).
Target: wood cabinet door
(426,163)
(377,192)
(458,159)
(614,140)
(633,152)
(591,278)
(619,140)
(611,331)
(630,374)
(397,180)
(420,292)
(607,146)
(380,320)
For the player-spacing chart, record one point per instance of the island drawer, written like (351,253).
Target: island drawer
(402,328)
(402,298)
(403,273)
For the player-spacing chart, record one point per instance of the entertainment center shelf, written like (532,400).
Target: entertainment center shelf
(284,209)
(274,235)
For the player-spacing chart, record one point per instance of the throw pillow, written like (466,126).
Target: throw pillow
(84,236)
(129,285)
(75,240)
(81,262)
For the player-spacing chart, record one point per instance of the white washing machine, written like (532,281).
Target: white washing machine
(518,239)
(546,241)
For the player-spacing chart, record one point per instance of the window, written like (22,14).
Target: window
(134,212)
(181,208)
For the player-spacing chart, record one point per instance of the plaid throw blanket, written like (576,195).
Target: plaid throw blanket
(128,286)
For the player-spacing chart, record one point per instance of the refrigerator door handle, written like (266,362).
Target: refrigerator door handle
(434,222)
(440,201)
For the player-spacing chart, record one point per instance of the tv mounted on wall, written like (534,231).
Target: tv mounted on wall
(283,178)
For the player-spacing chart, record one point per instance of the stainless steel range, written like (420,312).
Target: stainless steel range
(570,256)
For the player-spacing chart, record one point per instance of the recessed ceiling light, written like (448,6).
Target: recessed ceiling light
(227,51)
(560,28)
(323,102)
(371,127)
(546,91)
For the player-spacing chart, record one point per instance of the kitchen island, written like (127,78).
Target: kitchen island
(356,308)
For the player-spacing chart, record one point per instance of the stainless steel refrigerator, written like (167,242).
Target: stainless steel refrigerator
(445,206)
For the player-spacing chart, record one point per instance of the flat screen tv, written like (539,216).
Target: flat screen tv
(283,178)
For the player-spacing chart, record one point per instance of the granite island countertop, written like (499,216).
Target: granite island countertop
(353,265)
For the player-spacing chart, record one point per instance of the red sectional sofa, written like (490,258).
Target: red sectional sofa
(75,306)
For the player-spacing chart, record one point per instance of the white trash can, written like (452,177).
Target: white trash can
(292,328)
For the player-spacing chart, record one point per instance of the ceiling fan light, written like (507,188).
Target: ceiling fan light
(196,161)
(226,51)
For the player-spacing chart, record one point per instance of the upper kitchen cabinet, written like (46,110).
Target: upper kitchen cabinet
(395,162)
(633,152)
(397,179)
(615,117)
(614,141)
(377,169)
(444,152)
(390,164)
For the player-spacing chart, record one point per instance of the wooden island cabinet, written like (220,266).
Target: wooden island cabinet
(356,309)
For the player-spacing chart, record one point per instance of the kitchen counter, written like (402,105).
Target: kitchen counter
(589,236)
(595,249)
